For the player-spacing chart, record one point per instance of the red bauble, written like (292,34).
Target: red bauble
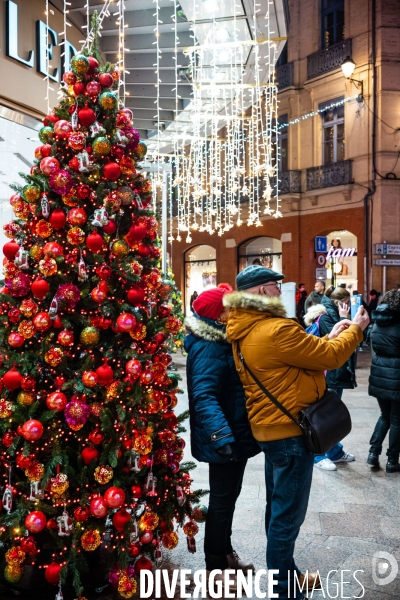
(114,497)
(8,438)
(96,437)
(126,322)
(137,232)
(44,150)
(144,250)
(77,216)
(89,454)
(69,77)
(98,295)
(136,295)
(142,564)
(79,88)
(57,323)
(111,171)
(12,379)
(86,116)
(146,537)
(52,573)
(35,521)
(14,315)
(81,513)
(53,249)
(74,164)
(89,379)
(159,338)
(105,374)
(62,128)
(103,286)
(106,80)
(28,383)
(134,550)
(32,430)
(10,249)
(83,191)
(104,272)
(133,367)
(57,219)
(49,164)
(40,288)
(98,507)
(15,340)
(137,491)
(120,519)
(42,321)
(146,377)
(94,242)
(93,88)
(59,381)
(56,401)
(111,227)
(155,252)
(65,337)
(93,64)
(49,120)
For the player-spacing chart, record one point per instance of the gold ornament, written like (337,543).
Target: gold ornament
(190,528)
(127,586)
(95,176)
(76,236)
(169,540)
(112,390)
(15,556)
(6,409)
(54,356)
(26,329)
(13,573)
(48,266)
(90,336)
(35,471)
(28,308)
(25,398)
(103,474)
(143,444)
(149,521)
(91,540)
(59,485)
(146,186)
(139,333)
(120,248)
(36,252)
(96,409)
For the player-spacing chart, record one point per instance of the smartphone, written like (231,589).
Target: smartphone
(355,303)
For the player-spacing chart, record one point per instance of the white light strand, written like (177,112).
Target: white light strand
(47,78)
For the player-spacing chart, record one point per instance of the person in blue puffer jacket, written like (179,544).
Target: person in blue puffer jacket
(220,431)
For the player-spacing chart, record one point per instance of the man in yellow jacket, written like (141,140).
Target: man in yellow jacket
(290,364)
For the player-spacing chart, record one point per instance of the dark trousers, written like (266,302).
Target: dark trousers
(225,486)
(388,421)
(288,476)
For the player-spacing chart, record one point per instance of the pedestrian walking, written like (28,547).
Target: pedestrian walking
(384,380)
(290,364)
(219,427)
(336,302)
(316,296)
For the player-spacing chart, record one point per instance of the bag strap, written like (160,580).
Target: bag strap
(264,389)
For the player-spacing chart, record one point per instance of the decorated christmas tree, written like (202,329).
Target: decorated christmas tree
(90,447)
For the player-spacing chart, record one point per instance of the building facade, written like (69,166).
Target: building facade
(339,161)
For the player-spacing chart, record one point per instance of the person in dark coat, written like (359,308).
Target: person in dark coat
(336,303)
(384,380)
(219,427)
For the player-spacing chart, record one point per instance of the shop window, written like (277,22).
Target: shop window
(265,251)
(200,272)
(342,261)
(332,21)
(332,133)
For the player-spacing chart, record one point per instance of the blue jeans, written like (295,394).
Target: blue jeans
(337,451)
(288,475)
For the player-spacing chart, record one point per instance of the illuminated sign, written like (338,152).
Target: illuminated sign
(46,40)
(340,252)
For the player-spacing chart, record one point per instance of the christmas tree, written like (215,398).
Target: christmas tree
(90,447)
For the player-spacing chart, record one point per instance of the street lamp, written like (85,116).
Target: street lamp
(348,66)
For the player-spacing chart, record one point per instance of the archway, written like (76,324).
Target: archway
(265,251)
(200,272)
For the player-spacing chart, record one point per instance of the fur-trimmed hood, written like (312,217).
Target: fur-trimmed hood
(271,305)
(313,313)
(247,310)
(204,330)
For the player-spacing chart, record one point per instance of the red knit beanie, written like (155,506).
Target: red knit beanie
(209,303)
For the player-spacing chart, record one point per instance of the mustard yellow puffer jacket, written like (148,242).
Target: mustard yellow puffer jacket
(289,362)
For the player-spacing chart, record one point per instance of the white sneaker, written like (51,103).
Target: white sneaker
(326,465)
(346,458)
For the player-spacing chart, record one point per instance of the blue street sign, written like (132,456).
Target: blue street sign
(321,243)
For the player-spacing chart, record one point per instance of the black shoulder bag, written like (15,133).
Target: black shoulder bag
(323,424)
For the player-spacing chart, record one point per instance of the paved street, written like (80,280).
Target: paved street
(352,514)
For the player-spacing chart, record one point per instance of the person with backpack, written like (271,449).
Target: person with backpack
(320,320)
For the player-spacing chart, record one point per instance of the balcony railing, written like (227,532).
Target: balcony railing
(338,173)
(290,182)
(284,76)
(328,60)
